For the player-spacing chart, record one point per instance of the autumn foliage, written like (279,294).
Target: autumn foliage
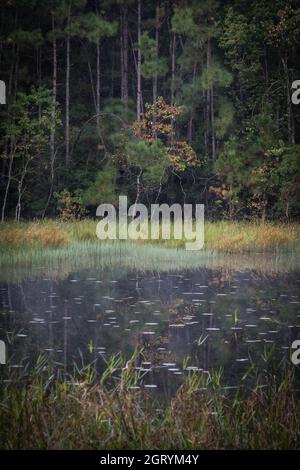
(159,123)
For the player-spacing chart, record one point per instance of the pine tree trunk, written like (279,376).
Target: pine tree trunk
(212,122)
(54,91)
(98,85)
(155,77)
(173,65)
(112,79)
(9,178)
(67,124)
(125,54)
(290,124)
(20,191)
(204,112)
(208,97)
(39,74)
(139,63)
(122,54)
(190,123)
(53,113)
(17,71)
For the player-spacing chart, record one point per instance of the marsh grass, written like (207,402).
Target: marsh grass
(224,236)
(54,248)
(110,258)
(40,410)
(33,235)
(241,237)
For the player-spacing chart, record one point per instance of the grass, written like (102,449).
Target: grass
(48,234)
(53,248)
(224,236)
(238,237)
(41,411)
(110,258)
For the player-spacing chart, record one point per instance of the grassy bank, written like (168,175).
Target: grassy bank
(38,411)
(224,236)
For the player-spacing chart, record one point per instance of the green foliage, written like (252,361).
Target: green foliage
(28,133)
(230,138)
(103,188)
(152,65)
(93,27)
(225,117)
(150,158)
(215,74)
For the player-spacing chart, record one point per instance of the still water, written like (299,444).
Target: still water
(219,317)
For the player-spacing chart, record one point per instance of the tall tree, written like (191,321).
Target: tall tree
(139,63)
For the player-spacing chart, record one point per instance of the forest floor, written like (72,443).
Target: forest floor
(221,236)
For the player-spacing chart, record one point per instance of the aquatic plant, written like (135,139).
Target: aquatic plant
(43,410)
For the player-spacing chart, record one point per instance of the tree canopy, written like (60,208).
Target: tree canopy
(186,101)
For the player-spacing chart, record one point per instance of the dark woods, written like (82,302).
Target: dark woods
(165,101)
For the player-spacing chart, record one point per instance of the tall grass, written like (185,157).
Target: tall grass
(224,236)
(33,235)
(41,411)
(241,237)
(113,257)
(56,247)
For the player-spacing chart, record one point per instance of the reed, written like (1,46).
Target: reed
(40,410)
(223,236)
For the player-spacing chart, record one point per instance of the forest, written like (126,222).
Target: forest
(163,101)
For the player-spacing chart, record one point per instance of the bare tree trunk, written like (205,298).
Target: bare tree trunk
(67,125)
(54,91)
(90,74)
(125,54)
(18,206)
(53,113)
(139,64)
(173,66)
(266,65)
(39,74)
(208,94)
(9,177)
(20,191)
(98,78)
(290,123)
(16,70)
(112,76)
(11,74)
(155,77)
(212,121)
(190,123)
(122,53)
(138,191)
(287,210)
(204,114)
(51,185)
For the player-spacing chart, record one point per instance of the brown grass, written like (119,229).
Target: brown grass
(35,234)
(223,236)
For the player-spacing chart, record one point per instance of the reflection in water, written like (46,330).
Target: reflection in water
(217,317)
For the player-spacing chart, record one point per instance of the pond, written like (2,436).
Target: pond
(220,316)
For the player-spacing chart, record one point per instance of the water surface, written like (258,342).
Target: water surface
(220,317)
